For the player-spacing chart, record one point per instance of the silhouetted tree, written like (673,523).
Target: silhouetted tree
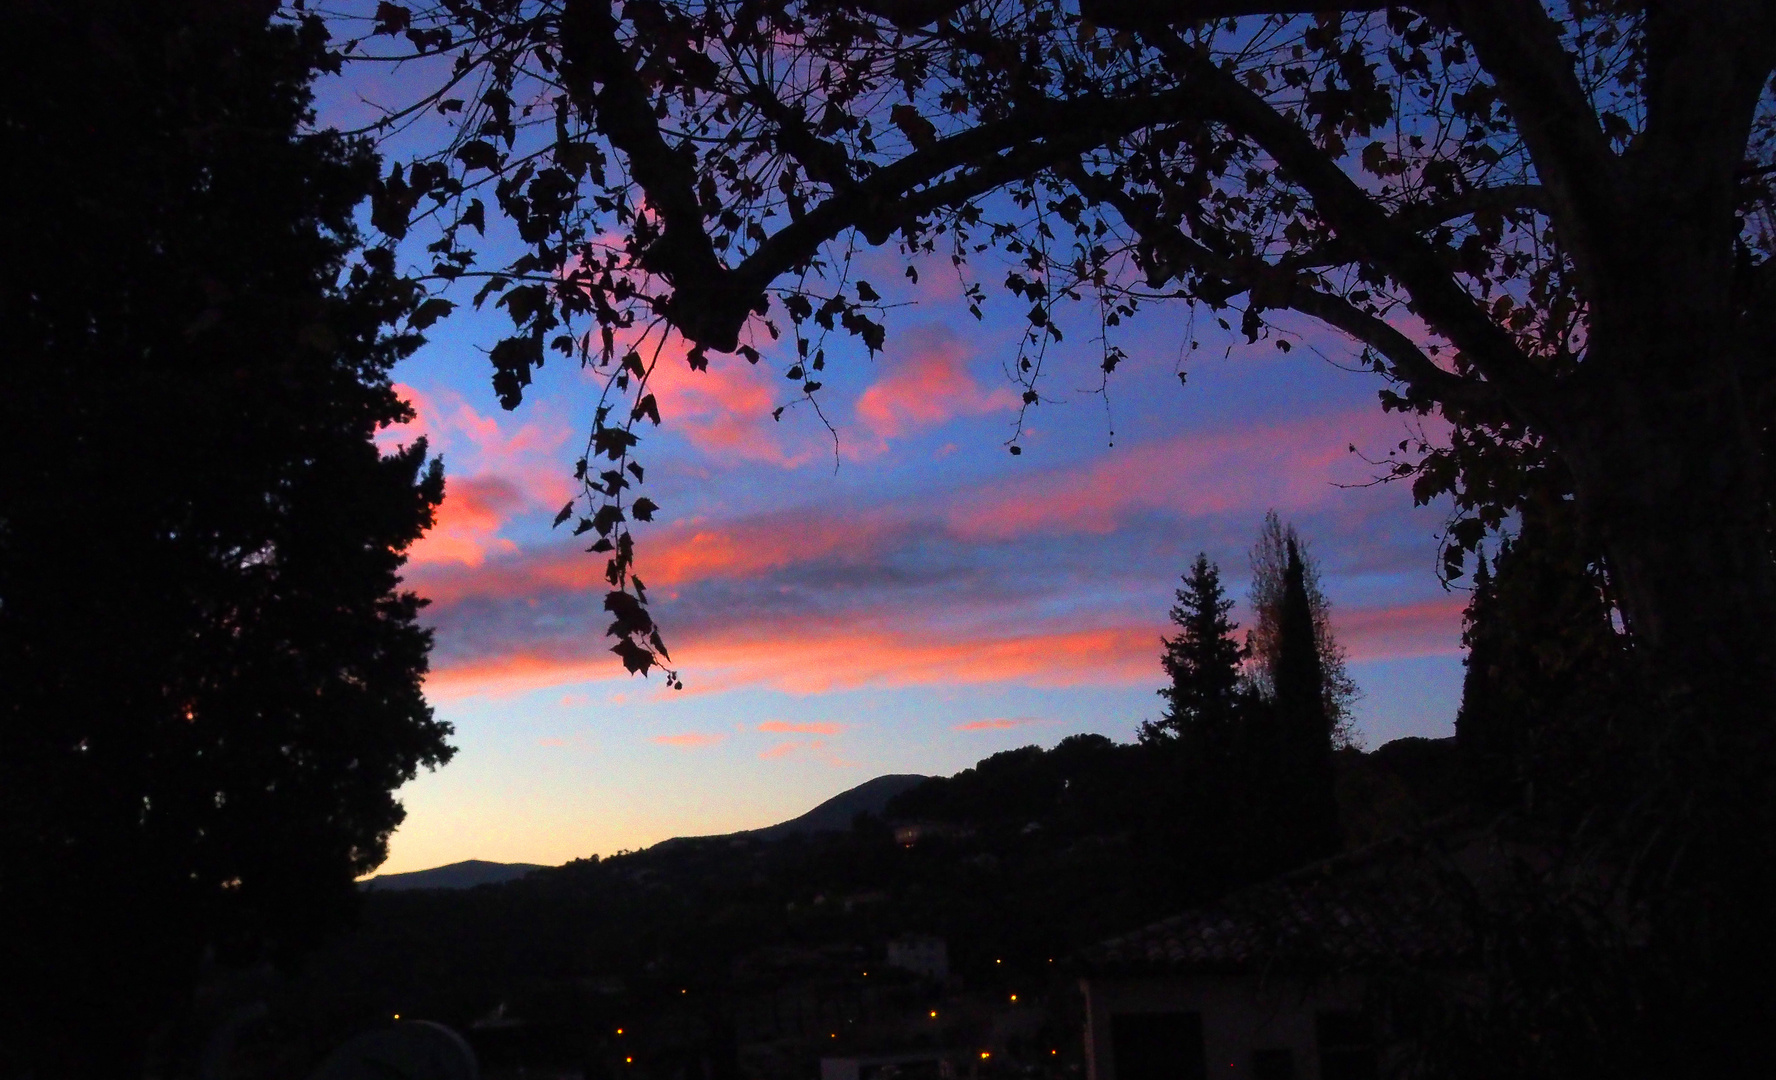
(1243,784)
(1269,593)
(1296,731)
(1202,661)
(210,681)
(1545,668)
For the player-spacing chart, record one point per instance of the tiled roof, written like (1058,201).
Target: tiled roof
(1396,903)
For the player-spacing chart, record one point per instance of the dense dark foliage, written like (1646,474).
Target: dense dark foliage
(209,678)
(1547,676)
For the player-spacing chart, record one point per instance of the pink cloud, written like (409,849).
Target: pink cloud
(499,443)
(927,383)
(998,723)
(785,727)
(1290,466)
(726,410)
(679,555)
(1427,628)
(820,655)
(690,740)
(783,749)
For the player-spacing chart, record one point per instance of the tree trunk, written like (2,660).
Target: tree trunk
(1668,470)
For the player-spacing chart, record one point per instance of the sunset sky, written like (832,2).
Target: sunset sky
(910,600)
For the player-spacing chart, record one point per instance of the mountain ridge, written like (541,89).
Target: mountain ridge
(832,815)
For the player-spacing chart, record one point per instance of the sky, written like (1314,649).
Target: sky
(904,597)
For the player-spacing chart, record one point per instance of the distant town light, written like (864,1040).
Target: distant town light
(934,1014)
(998,961)
(619,1031)
(628,1061)
(397,1016)
(985,1055)
(1014,997)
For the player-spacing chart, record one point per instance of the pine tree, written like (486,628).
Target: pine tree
(1203,662)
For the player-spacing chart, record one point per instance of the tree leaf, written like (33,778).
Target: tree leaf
(430,312)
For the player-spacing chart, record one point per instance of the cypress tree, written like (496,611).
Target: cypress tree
(1270,563)
(1302,800)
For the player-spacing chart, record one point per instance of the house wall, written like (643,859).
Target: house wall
(1240,1014)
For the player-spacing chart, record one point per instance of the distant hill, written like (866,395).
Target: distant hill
(461,875)
(836,813)
(833,815)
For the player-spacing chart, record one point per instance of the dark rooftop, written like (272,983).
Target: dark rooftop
(1395,902)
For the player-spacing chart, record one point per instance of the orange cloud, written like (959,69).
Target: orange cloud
(810,656)
(689,741)
(998,723)
(473,511)
(783,749)
(785,727)
(925,386)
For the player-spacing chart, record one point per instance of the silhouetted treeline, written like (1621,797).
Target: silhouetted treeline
(1018,863)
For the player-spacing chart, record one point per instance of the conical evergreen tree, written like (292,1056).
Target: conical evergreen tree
(1297,674)
(1270,563)
(1203,662)
(1302,799)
